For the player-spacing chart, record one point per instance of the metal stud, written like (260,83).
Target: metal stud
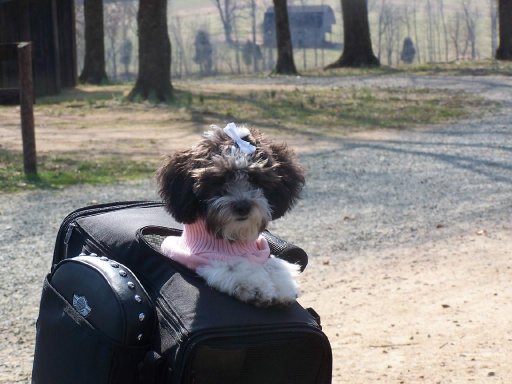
(142,316)
(139,337)
(131,285)
(83,254)
(114,264)
(122,273)
(138,299)
(104,258)
(94,254)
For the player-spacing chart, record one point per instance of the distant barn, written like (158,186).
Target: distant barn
(50,25)
(308,26)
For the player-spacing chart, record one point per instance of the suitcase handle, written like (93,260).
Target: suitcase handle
(286,251)
(278,247)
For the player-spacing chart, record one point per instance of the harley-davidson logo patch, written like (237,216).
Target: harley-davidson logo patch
(81,305)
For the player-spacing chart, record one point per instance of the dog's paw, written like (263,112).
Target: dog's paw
(282,275)
(246,281)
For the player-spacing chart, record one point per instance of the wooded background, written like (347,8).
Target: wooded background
(441,31)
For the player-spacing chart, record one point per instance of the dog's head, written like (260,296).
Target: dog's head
(236,190)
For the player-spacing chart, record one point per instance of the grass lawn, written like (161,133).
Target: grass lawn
(107,139)
(336,112)
(455,68)
(57,171)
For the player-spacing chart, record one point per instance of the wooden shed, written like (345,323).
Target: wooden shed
(50,26)
(308,26)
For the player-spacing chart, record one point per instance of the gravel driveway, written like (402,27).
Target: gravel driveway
(368,192)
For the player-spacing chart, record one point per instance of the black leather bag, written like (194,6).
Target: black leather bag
(95,325)
(202,336)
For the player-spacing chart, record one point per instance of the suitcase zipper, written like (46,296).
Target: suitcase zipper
(101,208)
(69,232)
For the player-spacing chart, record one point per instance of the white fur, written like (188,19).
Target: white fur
(282,275)
(262,285)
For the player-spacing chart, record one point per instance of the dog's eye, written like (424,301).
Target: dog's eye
(210,186)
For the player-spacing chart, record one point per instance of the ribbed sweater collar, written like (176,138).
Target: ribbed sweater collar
(196,247)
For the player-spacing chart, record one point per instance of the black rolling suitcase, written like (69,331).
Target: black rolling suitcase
(173,328)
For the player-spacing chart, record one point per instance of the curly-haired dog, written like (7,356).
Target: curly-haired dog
(225,190)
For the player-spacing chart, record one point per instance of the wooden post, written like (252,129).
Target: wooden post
(27,109)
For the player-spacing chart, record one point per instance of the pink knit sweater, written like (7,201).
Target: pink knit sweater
(197,247)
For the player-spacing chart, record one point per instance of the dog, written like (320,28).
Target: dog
(226,190)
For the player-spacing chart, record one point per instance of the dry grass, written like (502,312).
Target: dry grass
(93,135)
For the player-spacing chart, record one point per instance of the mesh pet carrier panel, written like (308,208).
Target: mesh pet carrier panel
(285,359)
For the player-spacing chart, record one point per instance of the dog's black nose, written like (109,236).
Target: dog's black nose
(242,207)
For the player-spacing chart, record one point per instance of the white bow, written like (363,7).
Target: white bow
(232,131)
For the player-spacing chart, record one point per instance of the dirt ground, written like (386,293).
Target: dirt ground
(439,312)
(407,315)
(139,131)
(436,313)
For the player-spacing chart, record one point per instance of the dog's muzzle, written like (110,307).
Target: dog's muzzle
(242,209)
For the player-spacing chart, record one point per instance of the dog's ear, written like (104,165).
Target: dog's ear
(285,194)
(176,187)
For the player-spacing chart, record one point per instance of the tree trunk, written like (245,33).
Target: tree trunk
(226,13)
(94,61)
(494,26)
(154,78)
(237,50)
(415,21)
(255,56)
(504,51)
(357,51)
(285,63)
(430,33)
(445,30)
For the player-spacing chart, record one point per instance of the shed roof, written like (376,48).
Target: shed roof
(305,8)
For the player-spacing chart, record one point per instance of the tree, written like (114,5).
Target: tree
(494,25)
(251,52)
(389,29)
(430,31)
(415,23)
(256,52)
(126,55)
(181,59)
(455,30)
(504,51)
(227,9)
(285,63)
(94,62)
(470,18)
(445,28)
(154,77)
(113,21)
(357,51)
